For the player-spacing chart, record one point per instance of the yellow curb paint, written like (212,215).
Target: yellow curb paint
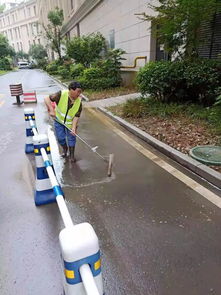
(210,196)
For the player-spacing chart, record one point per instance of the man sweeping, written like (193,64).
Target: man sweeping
(67,111)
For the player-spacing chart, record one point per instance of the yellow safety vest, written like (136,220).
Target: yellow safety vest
(62,113)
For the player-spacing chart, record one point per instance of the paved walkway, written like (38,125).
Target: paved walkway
(107,102)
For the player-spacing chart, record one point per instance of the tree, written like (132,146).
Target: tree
(2,8)
(21,54)
(86,49)
(178,23)
(53,30)
(38,52)
(5,48)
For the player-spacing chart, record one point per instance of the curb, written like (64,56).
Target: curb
(200,169)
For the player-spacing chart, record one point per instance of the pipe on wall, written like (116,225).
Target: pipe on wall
(135,62)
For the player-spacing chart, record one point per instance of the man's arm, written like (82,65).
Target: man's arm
(52,98)
(75,125)
(49,106)
(76,120)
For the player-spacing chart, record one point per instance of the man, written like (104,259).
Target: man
(67,111)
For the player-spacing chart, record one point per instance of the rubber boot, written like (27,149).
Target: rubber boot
(65,150)
(71,151)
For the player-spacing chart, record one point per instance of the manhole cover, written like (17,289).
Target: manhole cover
(207,154)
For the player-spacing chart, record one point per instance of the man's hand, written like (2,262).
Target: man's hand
(74,125)
(74,131)
(51,112)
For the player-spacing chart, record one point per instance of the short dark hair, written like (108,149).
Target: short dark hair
(73,85)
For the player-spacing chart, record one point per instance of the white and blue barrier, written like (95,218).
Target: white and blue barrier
(79,243)
(45,192)
(82,263)
(29,113)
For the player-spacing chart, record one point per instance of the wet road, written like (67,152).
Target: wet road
(157,235)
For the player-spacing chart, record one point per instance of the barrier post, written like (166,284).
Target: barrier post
(44,193)
(29,147)
(79,243)
(81,254)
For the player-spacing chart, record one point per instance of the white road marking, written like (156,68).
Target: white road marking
(2,102)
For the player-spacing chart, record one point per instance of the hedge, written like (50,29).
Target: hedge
(183,81)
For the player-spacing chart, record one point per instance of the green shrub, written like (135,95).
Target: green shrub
(86,49)
(104,73)
(181,81)
(203,80)
(96,84)
(42,64)
(5,64)
(64,72)
(93,73)
(76,70)
(52,67)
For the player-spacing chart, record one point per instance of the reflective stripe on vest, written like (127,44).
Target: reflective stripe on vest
(62,107)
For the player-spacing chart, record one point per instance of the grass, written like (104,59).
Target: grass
(141,108)
(3,72)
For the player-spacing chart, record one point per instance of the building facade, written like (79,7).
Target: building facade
(21,26)
(116,20)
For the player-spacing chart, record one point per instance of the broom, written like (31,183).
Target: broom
(94,149)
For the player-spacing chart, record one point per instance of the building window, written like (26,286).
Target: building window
(8,20)
(18,46)
(34,42)
(34,10)
(37,29)
(29,11)
(112,39)
(72,4)
(27,30)
(39,41)
(21,46)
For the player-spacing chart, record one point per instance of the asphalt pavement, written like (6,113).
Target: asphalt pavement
(158,229)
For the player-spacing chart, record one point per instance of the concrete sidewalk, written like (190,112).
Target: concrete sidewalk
(112,101)
(198,168)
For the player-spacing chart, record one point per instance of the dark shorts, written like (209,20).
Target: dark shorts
(63,135)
